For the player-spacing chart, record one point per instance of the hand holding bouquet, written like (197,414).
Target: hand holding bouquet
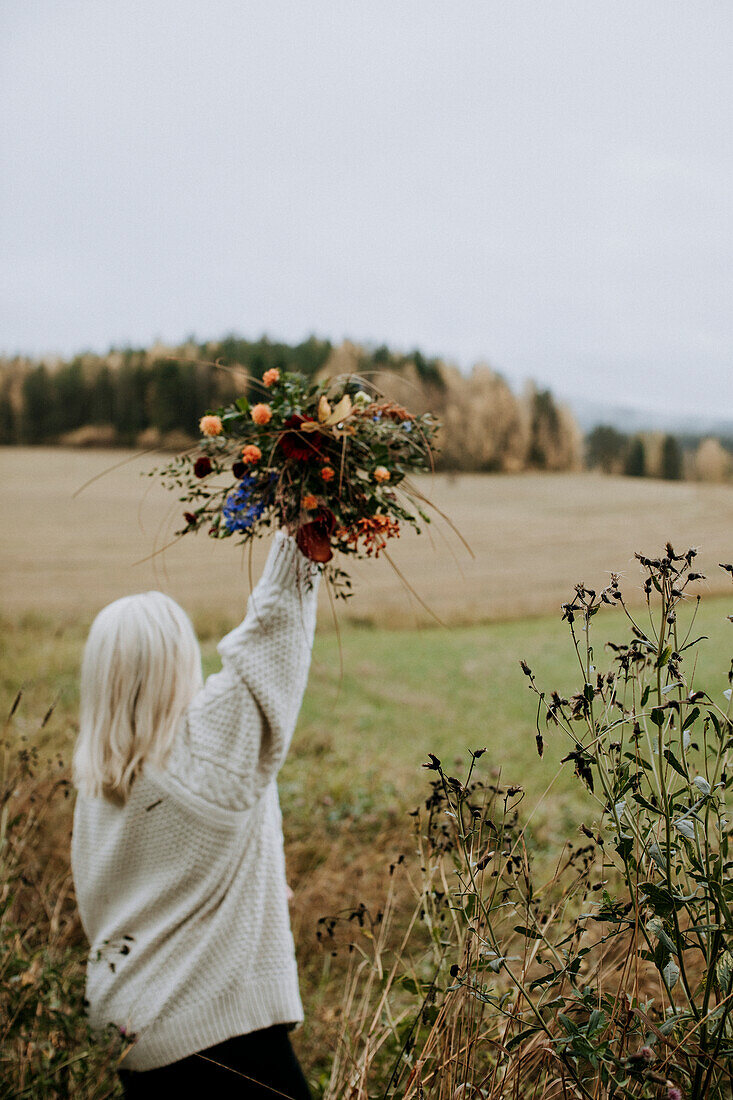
(327,460)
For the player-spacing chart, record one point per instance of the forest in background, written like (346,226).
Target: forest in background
(154,397)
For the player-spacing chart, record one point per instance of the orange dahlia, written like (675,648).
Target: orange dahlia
(251,453)
(211,425)
(261,414)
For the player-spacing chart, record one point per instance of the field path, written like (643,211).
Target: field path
(533,536)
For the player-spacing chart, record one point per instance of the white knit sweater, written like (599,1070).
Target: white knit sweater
(182,891)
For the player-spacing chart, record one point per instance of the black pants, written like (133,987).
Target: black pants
(257,1066)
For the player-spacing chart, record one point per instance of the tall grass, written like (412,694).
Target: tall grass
(489,966)
(47,1050)
(610,976)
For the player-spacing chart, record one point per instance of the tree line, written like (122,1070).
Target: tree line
(155,396)
(131,392)
(659,454)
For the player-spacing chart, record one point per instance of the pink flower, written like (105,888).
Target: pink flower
(211,425)
(261,414)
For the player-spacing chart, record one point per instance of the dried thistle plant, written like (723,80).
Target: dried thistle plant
(612,976)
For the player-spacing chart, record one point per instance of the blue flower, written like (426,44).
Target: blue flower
(239,512)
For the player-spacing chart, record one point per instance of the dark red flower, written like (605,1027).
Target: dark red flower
(239,469)
(314,538)
(190,518)
(300,445)
(202,466)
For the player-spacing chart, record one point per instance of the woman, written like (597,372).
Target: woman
(177,849)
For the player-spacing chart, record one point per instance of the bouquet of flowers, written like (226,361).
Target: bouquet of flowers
(328,460)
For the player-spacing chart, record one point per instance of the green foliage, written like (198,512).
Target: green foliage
(258,356)
(635,462)
(38,406)
(605,448)
(102,398)
(8,429)
(671,460)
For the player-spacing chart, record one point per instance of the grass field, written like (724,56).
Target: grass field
(354,771)
(379,699)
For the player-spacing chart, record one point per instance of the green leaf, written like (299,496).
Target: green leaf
(672,760)
(242,404)
(657,929)
(657,716)
(641,801)
(528,932)
(659,898)
(671,973)
(656,854)
(568,1025)
(663,657)
(691,718)
(597,1021)
(546,979)
(516,1040)
(409,984)
(724,972)
(625,846)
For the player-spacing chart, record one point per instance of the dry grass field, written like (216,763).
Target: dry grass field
(532,536)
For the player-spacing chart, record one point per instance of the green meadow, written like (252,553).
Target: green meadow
(378,701)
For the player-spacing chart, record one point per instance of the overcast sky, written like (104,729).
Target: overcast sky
(542,185)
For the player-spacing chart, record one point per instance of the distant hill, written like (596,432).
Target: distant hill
(628,419)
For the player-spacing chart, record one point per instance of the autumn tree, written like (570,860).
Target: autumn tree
(712,462)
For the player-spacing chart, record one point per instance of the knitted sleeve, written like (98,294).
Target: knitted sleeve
(238,729)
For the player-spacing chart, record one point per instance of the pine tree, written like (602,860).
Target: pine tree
(37,424)
(635,464)
(164,395)
(671,464)
(101,404)
(605,448)
(7,421)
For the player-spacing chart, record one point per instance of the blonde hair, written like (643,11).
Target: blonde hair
(141,669)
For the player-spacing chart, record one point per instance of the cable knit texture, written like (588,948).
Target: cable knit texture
(182,891)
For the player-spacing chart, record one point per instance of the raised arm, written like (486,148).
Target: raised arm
(237,731)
